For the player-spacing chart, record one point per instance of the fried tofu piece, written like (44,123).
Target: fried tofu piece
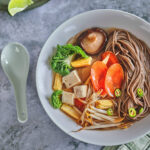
(57,82)
(70,111)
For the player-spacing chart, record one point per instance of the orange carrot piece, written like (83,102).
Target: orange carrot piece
(98,73)
(114,78)
(112,59)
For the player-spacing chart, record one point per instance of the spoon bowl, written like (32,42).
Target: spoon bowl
(15,63)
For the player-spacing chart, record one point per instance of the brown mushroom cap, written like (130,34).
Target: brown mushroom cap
(92,40)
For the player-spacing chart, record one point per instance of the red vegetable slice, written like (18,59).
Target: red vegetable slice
(114,78)
(112,59)
(98,73)
(79,104)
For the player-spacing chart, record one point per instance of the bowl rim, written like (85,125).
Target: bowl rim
(38,62)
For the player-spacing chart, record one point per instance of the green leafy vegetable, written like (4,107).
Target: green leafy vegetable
(61,62)
(55,99)
(16,6)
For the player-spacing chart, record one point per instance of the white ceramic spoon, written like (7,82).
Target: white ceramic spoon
(15,63)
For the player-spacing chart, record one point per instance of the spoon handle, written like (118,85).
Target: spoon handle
(20,93)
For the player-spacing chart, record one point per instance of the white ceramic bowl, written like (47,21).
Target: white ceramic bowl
(97,18)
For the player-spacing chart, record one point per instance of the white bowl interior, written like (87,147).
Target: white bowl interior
(97,18)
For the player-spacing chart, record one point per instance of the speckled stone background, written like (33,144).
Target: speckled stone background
(32,29)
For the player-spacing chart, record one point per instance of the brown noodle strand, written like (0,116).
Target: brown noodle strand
(133,54)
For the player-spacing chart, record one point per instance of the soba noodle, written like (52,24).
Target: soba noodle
(134,56)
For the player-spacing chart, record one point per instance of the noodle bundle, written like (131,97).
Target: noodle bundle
(134,56)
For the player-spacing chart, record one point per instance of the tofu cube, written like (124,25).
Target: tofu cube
(80,91)
(71,79)
(68,98)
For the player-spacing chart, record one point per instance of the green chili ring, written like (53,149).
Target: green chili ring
(117,92)
(110,112)
(132,112)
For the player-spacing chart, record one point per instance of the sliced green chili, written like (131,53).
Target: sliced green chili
(141,110)
(117,92)
(140,92)
(132,112)
(110,112)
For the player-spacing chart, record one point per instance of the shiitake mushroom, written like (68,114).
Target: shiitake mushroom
(92,40)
